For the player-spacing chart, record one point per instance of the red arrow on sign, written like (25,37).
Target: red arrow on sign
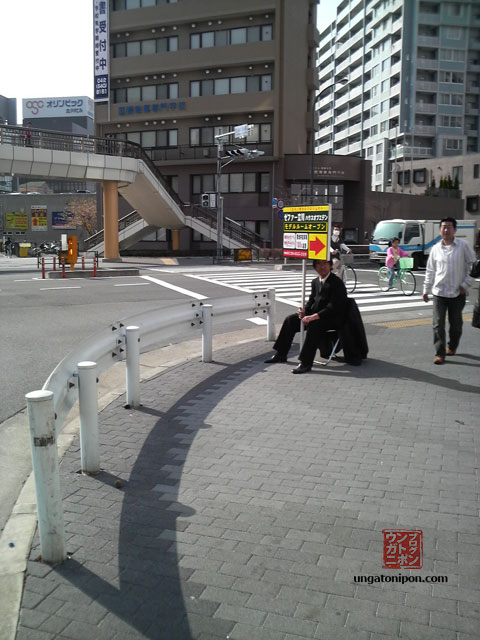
(316,245)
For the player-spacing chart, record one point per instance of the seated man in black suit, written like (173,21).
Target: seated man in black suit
(325,309)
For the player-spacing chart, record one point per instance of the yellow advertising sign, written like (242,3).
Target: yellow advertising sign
(317,207)
(39,218)
(317,246)
(15,220)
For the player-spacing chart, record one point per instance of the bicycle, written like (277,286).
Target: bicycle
(406,277)
(348,273)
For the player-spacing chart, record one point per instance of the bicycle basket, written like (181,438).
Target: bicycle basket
(406,263)
(346,258)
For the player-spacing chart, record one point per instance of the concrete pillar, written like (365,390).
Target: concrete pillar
(175,239)
(110,219)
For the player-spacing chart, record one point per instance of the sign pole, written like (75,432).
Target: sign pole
(304,276)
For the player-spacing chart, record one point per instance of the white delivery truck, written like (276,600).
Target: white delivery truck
(417,237)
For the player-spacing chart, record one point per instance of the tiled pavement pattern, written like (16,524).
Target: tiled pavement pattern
(251,498)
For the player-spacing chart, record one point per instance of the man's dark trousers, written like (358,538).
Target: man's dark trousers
(454,307)
(291,325)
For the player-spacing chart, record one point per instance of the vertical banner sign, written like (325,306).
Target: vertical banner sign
(39,217)
(101,53)
(306,232)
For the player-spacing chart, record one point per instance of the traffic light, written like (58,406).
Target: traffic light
(205,200)
(72,251)
(246,154)
(243,153)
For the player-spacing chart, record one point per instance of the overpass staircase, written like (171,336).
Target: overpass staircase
(52,154)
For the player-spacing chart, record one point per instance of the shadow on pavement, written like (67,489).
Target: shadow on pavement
(149,596)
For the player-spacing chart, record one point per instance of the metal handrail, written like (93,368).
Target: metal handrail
(123,223)
(157,326)
(54,140)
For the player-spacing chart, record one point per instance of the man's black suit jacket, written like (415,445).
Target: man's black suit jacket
(330,302)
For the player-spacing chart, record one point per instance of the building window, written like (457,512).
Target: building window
(249,182)
(476,171)
(454,33)
(383,126)
(121,5)
(145,47)
(419,176)
(403,177)
(374,130)
(457,55)
(455,9)
(451,98)
(369,152)
(472,204)
(225,86)
(224,37)
(146,93)
(453,144)
(378,169)
(457,173)
(451,121)
(264,183)
(454,77)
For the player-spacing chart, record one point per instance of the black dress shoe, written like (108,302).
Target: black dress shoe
(275,358)
(301,368)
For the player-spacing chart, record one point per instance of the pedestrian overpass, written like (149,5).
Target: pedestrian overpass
(122,167)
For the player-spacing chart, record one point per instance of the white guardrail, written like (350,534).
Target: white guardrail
(75,377)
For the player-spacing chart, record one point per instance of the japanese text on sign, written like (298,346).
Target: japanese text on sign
(304,226)
(101,50)
(151,108)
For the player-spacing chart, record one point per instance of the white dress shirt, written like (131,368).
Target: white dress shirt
(448,269)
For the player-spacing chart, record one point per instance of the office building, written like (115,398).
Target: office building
(413,89)
(183,72)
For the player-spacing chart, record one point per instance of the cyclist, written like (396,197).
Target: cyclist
(336,249)
(394,253)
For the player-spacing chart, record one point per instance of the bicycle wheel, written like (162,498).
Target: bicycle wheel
(407,282)
(384,278)
(349,277)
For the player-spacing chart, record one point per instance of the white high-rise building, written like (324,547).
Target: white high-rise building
(413,90)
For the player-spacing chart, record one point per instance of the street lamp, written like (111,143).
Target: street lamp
(341,81)
(239,152)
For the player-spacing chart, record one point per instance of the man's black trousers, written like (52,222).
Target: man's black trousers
(314,330)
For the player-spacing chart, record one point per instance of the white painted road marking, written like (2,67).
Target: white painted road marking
(167,285)
(57,288)
(132,284)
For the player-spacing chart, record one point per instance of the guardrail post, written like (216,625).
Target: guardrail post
(63,268)
(271,316)
(95,267)
(43,268)
(41,419)
(54,263)
(83,263)
(88,406)
(207,333)
(133,366)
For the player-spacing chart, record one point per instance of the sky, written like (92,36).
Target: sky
(46,47)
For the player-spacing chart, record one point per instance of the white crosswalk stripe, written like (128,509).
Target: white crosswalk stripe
(288,289)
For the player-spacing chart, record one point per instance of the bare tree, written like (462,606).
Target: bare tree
(84,214)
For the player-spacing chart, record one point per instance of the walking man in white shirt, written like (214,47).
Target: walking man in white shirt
(447,277)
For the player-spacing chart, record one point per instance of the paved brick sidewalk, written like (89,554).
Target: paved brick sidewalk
(251,498)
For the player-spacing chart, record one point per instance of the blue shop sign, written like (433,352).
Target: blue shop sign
(151,108)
